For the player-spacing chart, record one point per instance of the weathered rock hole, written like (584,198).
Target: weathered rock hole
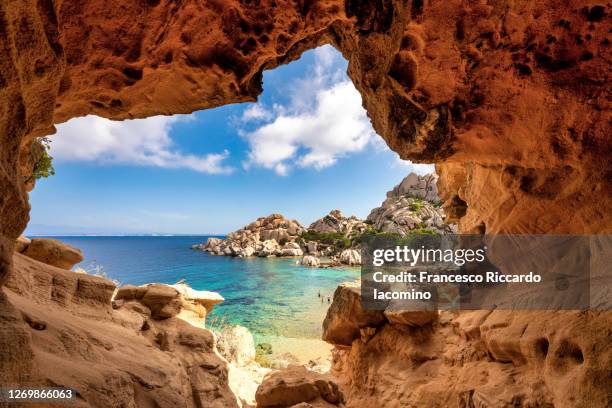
(455,209)
(596,13)
(35,324)
(416,9)
(460,30)
(541,348)
(404,70)
(567,356)
(40,68)
(186,38)
(133,73)
(371,15)
(410,42)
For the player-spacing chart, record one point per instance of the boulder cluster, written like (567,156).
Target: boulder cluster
(335,221)
(273,235)
(411,207)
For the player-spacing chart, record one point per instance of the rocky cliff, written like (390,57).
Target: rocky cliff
(509,98)
(411,207)
(134,351)
(485,358)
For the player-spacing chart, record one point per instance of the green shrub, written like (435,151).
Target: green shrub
(424,231)
(337,239)
(44,166)
(262,351)
(417,204)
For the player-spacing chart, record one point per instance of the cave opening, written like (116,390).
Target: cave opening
(135,195)
(508,98)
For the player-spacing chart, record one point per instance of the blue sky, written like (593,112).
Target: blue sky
(305,148)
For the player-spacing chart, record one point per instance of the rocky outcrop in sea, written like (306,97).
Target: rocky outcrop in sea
(411,207)
(273,235)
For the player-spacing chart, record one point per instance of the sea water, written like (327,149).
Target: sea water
(270,296)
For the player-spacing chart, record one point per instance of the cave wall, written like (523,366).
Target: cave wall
(508,97)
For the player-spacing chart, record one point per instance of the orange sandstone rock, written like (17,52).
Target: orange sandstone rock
(53,252)
(510,99)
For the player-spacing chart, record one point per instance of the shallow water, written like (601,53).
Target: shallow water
(269,296)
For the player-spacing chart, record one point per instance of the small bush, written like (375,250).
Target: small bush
(262,351)
(44,166)
(424,231)
(417,204)
(337,239)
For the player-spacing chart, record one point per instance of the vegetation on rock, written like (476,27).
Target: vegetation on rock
(337,239)
(44,166)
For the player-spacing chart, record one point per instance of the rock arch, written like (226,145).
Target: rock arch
(508,98)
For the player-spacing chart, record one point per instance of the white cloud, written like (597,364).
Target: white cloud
(418,168)
(144,142)
(256,112)
(323,121)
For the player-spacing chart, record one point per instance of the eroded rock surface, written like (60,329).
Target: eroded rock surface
(165,301)
(346,316)
(52,252)
(122,356)
(411,206)
(297,385)
(472,358)
(509,98)
(335,221)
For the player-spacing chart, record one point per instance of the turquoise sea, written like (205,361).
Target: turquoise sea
(270,296)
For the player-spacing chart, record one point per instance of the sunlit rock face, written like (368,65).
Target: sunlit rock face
(479,358)
(508,98)
(60,328)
